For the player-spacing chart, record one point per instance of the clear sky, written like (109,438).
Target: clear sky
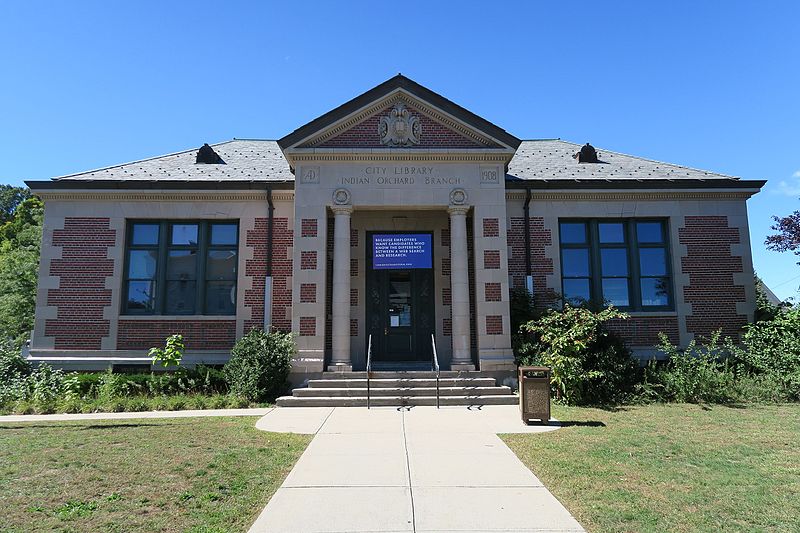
(712,85)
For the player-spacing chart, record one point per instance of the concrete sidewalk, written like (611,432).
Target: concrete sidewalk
(422,470)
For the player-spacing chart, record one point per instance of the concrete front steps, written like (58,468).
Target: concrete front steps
(336,389)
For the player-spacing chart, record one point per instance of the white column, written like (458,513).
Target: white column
(459,286)
(340,335)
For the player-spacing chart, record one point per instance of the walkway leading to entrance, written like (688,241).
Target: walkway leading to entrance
(422,470)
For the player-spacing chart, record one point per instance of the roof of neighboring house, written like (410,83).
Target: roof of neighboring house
(259,163)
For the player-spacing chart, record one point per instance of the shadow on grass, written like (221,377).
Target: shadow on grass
(582,423)
(77,426)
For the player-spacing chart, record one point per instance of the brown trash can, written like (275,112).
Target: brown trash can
(534,393)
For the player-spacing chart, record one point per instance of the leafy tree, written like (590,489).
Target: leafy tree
(20,241)
(10,198)
(788,236)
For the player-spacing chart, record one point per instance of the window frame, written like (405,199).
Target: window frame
(632,247)
(164,246)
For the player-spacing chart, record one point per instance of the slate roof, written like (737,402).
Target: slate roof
(548,162)
(245,160)
(551,159)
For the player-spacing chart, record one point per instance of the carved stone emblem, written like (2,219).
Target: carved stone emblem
(458,197)
(341,197)
(400,127)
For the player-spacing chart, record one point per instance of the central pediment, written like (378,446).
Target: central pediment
(399,114)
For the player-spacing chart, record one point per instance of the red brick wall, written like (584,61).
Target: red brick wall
(541,266)
(643,331)
(365,134)
(81,295)
(256,270)
(494,325)
(710,266)
(197,334)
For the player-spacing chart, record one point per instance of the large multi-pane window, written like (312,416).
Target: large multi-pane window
(619,262)
(181,268)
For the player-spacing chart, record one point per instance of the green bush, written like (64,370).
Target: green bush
(772,347)
(171,354)
(589,364)
(12,365)
(259,365)
(701,373)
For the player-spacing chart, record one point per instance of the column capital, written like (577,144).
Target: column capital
(342,209)
(456,210)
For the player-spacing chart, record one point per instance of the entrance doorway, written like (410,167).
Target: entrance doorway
(400,304)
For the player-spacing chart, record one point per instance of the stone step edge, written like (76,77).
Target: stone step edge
(309,392)
(331,401)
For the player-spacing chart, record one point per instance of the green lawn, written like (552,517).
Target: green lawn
(192,474)
(673,467)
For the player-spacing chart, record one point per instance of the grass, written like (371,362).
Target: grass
(673,467)
(194,474)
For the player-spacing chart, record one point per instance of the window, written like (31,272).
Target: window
(181,268)
(619,262)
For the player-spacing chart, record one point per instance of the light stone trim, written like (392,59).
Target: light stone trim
(394,155)
(635,195)
(399,96)
(166,196)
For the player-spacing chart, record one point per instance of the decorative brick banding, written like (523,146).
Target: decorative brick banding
(256,270)
(354,327)
(308,227)
(447,296)
(353,297)
(308,260)
(353,267)
(447,327)
(492,292)
(491,227)
(353,238)
(494,324)
(710,265)
(197,334)
(308,326)
(445,266)
(308,293)
(81,295)
(491,259)
(541,266)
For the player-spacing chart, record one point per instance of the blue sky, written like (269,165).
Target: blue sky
(711,85)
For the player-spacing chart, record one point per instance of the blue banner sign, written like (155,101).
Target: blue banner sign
(402,250)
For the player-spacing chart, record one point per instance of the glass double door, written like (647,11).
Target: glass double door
(400,314)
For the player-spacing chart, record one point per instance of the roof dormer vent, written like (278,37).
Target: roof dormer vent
(206,155)
(587,154)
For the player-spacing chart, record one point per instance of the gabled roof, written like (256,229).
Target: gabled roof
(383,90)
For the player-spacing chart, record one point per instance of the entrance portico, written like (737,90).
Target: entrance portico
(461,298)
(437,171)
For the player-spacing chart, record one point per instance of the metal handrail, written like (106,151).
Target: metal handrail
(369,365)
(435,367)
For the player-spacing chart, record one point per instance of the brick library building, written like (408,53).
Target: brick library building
(396,224)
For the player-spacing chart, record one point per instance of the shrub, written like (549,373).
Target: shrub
(171,354)
(259,365)
(12,365)
(771,348)
(589,364)
(699,374)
